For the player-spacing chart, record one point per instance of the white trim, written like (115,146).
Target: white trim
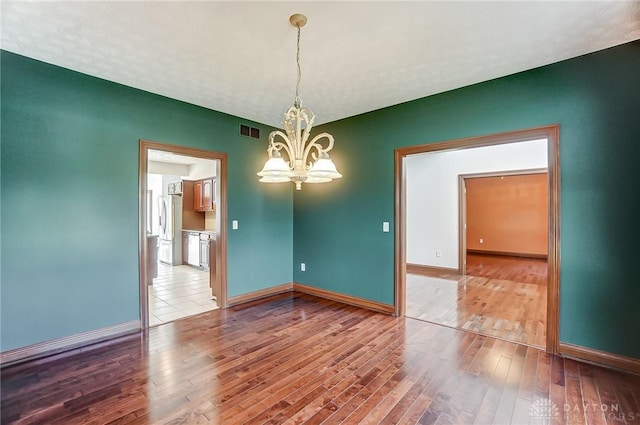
(55,346)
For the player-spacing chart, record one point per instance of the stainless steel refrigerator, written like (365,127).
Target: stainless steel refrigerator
(170,249)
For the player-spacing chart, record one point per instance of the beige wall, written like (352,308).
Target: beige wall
(508,213)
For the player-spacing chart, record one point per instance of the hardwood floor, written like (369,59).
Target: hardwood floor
(504,297)
(294,358)
(517,269)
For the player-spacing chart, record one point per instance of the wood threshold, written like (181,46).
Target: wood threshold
(421,269)
(549,132)
(55,346)
(262,293)
(343,298)
(598,357)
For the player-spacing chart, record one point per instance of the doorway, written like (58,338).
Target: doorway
(550,134)
(182,232)
(511,206)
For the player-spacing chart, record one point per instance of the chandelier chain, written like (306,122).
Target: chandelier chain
(297,100)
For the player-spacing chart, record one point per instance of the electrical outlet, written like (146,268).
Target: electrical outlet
(234,224)
(438,253)
(481,240)
(385,226)
(303,267)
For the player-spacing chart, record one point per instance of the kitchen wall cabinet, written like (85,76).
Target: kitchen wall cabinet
(191,219)
(204,195)
(207,195)
(197,195)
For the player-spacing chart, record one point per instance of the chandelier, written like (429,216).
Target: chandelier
(307,162)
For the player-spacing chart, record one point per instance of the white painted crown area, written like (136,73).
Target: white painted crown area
(239,57)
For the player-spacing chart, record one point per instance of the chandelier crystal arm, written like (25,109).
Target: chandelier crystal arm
(308,117)
(277,145)
(314,144)
(292,128)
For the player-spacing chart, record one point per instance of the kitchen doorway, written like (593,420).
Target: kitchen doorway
(183,232)
(550,135)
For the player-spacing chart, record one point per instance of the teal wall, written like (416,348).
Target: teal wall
(595,99)
(69,196)
(69,217)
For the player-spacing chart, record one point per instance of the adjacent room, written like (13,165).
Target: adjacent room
(181,235)
(407,212)
(477,240)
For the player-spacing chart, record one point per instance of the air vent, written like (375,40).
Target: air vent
(245,130)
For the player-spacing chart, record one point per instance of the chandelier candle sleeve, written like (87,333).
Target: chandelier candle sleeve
(308,160)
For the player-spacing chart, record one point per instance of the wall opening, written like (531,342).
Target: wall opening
(452,262)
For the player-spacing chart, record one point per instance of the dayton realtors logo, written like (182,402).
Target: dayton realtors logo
(543,411)
(610,411)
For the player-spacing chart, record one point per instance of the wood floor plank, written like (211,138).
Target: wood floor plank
(298,359)
(500,296)
(323,406)
(310,383)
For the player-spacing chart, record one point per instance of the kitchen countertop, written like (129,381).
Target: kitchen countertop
(211,232)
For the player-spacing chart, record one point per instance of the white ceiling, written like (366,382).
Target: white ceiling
(172,158)
(239,57)
(169,163)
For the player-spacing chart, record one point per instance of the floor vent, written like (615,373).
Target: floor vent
(245,130)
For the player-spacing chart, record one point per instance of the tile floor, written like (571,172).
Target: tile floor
(177,292)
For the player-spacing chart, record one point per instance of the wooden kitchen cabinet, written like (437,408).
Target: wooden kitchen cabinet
(207,195)
(197,195)
(204,195)
(191,218)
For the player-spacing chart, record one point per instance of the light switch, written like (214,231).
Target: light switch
(234,224)
(303,267)
(385,226)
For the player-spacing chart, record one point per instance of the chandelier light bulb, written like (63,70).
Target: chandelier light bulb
(324,168)
(276,167)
